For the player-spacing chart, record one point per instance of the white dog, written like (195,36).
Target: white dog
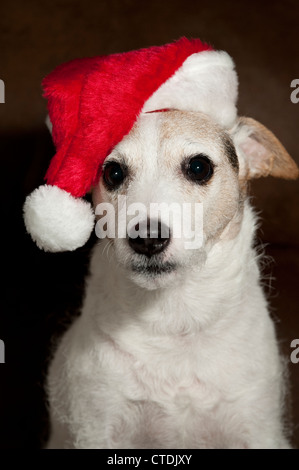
(175,347)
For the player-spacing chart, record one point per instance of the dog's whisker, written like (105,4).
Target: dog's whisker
(106,248)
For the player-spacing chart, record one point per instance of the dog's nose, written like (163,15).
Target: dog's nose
(155,242)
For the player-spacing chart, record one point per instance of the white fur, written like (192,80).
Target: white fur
(206,82)
(49,124)
(181,360)
(56,220)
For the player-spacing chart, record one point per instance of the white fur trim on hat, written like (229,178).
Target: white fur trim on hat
(206,82)
(56,220)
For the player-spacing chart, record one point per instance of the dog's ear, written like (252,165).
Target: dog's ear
(260,152)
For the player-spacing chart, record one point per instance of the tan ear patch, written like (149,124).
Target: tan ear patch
(265,155)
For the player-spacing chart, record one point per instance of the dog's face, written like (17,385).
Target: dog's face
(187,163)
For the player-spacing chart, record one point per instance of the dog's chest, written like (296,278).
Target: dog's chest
(132,392)
(160,397)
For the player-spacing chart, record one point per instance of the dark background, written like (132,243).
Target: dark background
(41,291)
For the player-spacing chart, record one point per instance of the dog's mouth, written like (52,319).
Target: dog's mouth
(152,267)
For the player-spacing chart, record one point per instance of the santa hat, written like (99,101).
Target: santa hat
(93,103)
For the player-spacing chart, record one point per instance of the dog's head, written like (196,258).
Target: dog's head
(175,186)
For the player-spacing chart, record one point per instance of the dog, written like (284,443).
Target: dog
(175,347)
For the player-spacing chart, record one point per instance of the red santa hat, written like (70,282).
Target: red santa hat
(93,103)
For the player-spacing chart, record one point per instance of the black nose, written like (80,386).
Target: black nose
(155,242)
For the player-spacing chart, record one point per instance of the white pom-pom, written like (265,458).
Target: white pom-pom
(56,220)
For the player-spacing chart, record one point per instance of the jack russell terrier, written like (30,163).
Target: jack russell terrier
(175,347)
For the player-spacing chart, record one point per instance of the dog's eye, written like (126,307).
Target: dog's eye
(113,175)
(199,168)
